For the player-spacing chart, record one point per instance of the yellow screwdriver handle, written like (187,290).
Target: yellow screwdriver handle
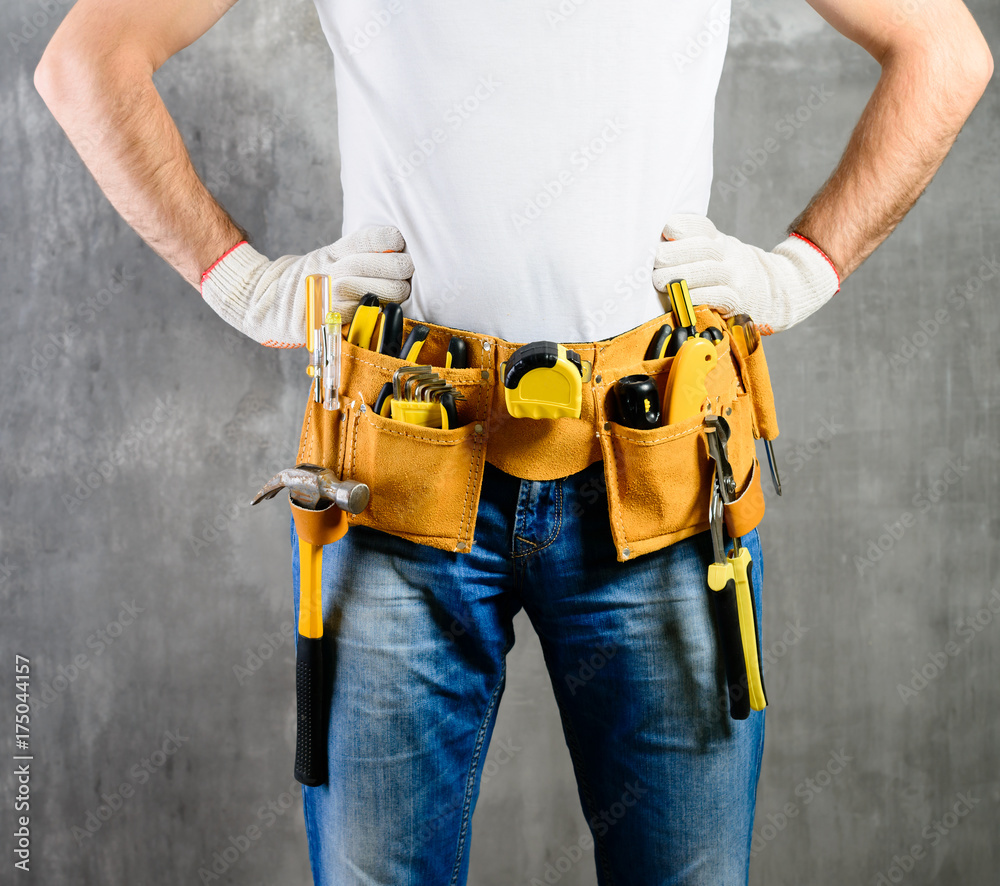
(680,302)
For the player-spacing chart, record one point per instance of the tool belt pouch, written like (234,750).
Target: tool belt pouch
(319,527)
(425,482)
(757,380)
(659,480)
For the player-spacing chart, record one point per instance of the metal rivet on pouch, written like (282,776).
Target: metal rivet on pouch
(626,552)
(343,416)
(597,379)
(729,410)
(461,545)
(607,426)
(486,375)
(486,345)
(479,429)
(362,408)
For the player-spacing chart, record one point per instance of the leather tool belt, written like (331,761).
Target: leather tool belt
(425,482)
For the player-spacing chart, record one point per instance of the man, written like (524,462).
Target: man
(531,164)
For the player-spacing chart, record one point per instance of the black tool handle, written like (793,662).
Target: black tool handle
(680,335)
(728,618)
(310,717)
(459,352)
(659,343)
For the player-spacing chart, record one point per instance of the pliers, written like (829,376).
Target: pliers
(730,579)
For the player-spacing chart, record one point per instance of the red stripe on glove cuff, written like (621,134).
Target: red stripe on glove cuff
(821,252)
(220,258)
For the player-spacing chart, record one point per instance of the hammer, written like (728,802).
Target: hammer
(316,489)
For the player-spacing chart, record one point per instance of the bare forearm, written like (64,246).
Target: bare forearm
(906,130)
(116,120)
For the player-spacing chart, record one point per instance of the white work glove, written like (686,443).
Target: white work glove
(777,289)
(266,299)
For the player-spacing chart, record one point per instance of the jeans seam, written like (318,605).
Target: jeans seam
(471,778)
(555,532)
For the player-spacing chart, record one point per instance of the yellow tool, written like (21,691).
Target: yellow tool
(363,322)
(543,379)
(419,396)
(318,493)
(414,343)
(323,342)
(686,394)
(680,303)
(745,334)
(317,293)
(331,360)
(729,578)
(694,358)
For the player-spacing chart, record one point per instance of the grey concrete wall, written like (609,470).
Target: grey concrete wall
(135,596)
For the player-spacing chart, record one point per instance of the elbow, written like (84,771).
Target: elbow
(45,78)
(61,70)
(75,70)
(974,66)
(960,67)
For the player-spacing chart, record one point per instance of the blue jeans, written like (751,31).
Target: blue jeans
(415,642)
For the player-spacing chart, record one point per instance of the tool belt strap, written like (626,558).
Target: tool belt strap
(425,482)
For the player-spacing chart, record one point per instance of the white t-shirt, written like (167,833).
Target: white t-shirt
(529,152)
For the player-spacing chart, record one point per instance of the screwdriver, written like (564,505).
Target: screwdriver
(747,338)
(331,356)
(680,303)
(317,300)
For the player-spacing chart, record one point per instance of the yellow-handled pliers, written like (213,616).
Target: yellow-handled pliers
(730,579)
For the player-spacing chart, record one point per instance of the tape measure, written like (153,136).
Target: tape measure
(543,379)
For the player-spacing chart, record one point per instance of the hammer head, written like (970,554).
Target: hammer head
(311,486)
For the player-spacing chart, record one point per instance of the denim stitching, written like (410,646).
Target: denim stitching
(473,766)
(555,533)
